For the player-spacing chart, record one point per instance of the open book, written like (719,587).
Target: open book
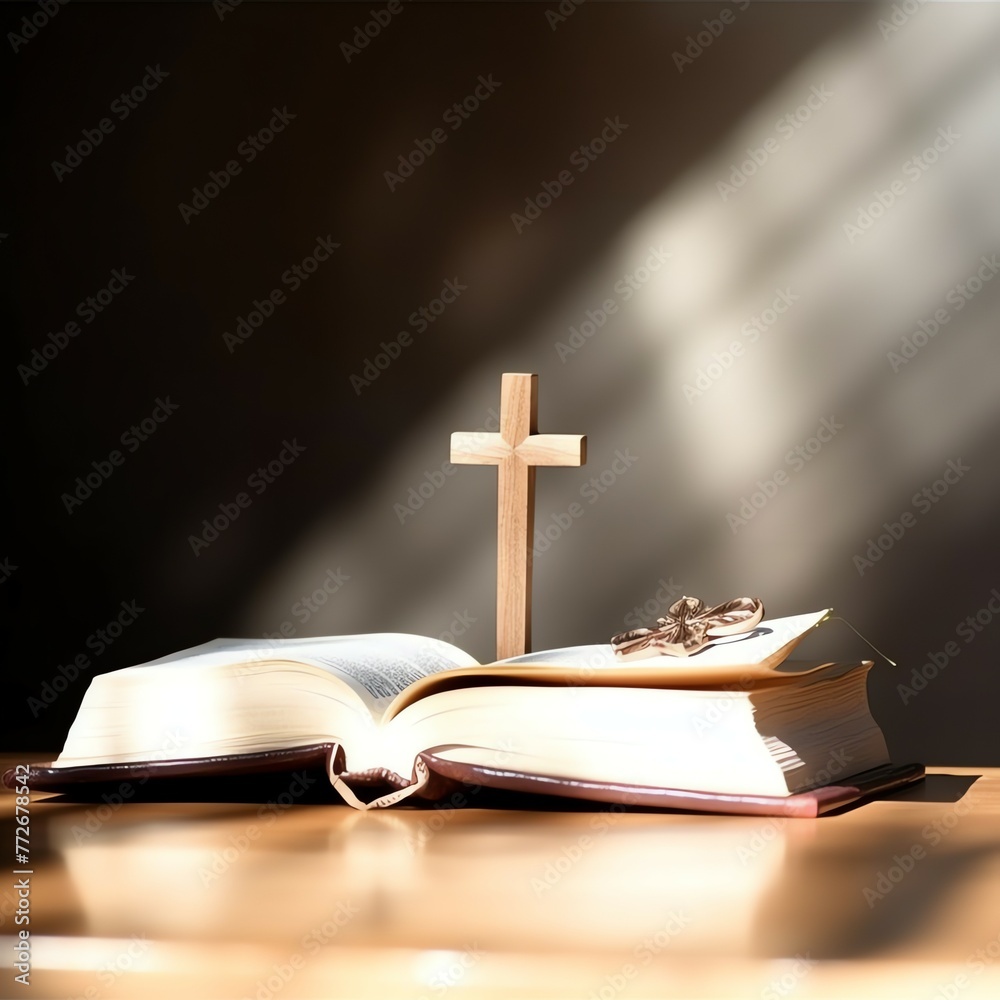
(736,722)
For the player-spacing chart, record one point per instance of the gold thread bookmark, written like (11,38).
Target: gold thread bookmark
(838,618)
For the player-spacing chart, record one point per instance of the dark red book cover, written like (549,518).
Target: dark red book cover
(447,774)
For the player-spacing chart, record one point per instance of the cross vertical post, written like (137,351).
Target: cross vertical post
(517,450)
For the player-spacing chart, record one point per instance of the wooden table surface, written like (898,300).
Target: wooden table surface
(898,898)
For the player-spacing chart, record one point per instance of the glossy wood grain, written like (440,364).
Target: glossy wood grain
(303,898)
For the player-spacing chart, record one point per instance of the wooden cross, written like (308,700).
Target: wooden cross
(516,451)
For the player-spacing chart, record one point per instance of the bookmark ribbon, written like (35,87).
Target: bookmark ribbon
(421,776)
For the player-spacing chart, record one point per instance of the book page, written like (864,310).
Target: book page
(756,646)
(740,661)
(377,666)
(381,666)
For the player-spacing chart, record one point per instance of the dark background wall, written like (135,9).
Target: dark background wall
(658,380)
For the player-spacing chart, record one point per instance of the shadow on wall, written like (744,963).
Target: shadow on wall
(759,281)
